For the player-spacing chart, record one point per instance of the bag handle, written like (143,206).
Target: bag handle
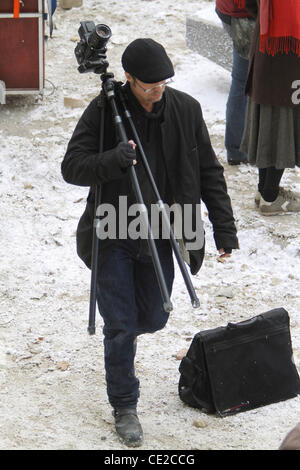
(244,324)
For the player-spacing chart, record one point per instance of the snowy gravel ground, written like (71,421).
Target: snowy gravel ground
(52,393)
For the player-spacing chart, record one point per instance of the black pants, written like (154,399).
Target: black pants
(130,303)
(268,182)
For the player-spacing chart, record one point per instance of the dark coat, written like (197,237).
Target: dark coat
(193,170)
(270,78)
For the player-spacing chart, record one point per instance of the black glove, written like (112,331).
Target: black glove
(125,154)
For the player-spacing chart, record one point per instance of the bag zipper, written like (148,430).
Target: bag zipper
(247,338)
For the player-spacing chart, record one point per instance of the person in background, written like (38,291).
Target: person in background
(239,24)
(272,132)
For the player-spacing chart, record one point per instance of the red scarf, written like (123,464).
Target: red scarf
(279,26)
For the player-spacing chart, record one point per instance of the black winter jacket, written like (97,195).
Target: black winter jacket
(193,170)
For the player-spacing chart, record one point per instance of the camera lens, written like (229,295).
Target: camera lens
(103,31)
(100,36)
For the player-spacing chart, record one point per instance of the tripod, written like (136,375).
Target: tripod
(110,91)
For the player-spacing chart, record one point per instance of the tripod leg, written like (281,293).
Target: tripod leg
(156,261)
(94,272)
(153,250)
(180,261)
(175,246)
(95,245)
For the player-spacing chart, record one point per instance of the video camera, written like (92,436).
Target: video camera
(90,52)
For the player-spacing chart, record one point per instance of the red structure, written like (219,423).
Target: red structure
(22,55)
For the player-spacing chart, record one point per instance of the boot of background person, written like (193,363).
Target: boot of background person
(286,201)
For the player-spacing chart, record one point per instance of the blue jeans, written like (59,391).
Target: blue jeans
(236,108)
(130,304)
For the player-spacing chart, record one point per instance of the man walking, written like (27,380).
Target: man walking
(175,139)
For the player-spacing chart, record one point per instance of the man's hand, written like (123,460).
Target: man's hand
(223,255)
(126,154)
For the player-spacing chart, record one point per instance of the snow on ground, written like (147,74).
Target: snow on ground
(52,393)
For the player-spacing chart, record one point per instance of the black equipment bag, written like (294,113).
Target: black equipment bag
(241,366)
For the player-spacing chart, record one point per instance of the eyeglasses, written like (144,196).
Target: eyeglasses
(147,90)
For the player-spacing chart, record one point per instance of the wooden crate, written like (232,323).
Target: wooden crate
(22,56)
(26,6)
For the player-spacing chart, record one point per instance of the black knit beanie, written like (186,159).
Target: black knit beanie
(147,60)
